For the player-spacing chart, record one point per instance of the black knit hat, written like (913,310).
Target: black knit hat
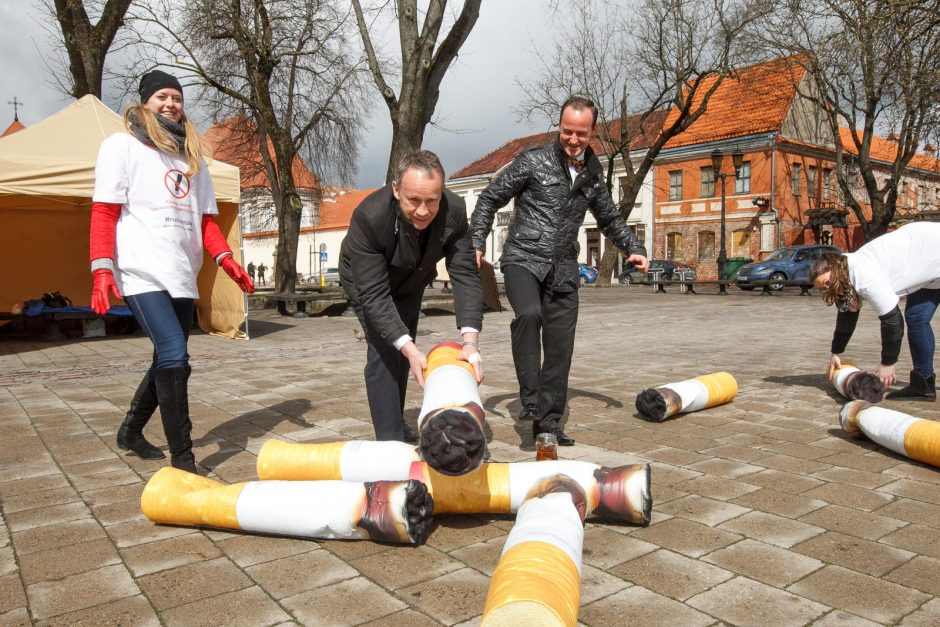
(152,82)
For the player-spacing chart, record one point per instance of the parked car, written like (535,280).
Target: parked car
(670,271)
(330,277)
(586,274)
(790,264)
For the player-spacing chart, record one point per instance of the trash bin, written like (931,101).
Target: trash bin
(732,265)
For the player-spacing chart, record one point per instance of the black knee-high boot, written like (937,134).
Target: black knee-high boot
(173,394)
(130,436)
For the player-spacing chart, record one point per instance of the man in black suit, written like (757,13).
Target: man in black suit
(396,237)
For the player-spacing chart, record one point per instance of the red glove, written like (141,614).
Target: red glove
(238,274)
(104,284)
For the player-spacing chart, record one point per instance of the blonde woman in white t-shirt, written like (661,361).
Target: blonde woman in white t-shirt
(905,262)
(153,211)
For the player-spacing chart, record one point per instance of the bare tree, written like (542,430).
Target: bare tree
(638,64)
(86,44)
(424,63)
(286,65)
(874,70)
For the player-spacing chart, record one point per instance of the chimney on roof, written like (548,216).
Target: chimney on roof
(930,149)
(893,137)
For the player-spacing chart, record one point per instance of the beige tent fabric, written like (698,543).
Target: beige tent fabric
(47,177)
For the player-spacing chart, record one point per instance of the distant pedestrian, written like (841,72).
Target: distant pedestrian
(251,270)
(261,270)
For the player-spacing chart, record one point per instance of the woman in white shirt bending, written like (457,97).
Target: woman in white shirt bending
(153,211)
(905,262)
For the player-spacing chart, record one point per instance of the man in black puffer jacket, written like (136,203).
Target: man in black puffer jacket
(553,186)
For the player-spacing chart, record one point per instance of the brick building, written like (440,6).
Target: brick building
(785,192)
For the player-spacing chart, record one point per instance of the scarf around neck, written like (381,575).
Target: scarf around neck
(175,130)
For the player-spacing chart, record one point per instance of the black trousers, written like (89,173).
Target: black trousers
(387,371)
(544,325)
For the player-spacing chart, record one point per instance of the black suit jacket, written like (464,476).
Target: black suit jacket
(381,261)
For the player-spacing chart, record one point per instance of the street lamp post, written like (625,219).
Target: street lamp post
(737,158)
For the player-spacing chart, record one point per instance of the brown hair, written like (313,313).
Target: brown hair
(839,285)
(423,160)
(162,140)
(578,103)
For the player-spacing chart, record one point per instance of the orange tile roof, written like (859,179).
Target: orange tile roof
(335,211)
(503,155)
(234,141)
(756,100)
(15,127)
(886,150)
(882,150)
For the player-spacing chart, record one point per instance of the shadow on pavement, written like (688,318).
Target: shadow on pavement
(239,429)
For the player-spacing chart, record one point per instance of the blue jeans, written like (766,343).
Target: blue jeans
(167,322)
(917,314)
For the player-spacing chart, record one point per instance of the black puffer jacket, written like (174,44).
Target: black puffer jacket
(549,211)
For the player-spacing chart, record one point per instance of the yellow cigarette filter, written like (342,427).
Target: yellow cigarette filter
(349,461)
(913,437)
(387,511)
(538,579)
(621,493)
(709,390)
(855,384)
(450,425)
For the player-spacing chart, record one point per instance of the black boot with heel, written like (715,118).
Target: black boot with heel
(130,435)
(173,392)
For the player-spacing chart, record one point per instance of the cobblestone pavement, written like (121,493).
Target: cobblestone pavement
(764,512)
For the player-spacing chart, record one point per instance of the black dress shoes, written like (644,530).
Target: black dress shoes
(563,440)
(410,435)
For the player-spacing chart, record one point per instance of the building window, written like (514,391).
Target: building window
(675,185)
(795,179)
(674,246)
(742,181)
(827,184)
(708,182)
(811,181)
(741,243)
(706,245)
(904,194)
(640,231)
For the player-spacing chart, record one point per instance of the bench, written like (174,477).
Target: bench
(52,316)
(688,286)
(300,300)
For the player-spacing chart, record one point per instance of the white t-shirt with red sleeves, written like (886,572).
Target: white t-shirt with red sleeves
(896,264)
(159,232)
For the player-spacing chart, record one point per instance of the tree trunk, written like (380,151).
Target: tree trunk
(607,266)
(407,135)
(87,45)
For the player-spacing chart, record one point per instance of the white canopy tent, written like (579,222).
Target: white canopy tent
(47,177)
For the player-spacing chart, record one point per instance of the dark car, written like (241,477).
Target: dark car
(669,268)
(586,274)
(784,265)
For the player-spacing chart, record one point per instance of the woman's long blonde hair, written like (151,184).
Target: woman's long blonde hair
(839,286)
(193,148)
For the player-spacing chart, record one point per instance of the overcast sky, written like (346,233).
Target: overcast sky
(477,96)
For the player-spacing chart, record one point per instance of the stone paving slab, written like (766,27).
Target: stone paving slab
(764,511)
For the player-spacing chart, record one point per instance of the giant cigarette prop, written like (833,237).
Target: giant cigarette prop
(388,511)
(856,384)
(621,493)
(913,437)
(702,392)
(450,425)
(538,578)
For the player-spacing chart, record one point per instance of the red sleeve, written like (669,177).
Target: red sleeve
(104,217)
(212,237)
